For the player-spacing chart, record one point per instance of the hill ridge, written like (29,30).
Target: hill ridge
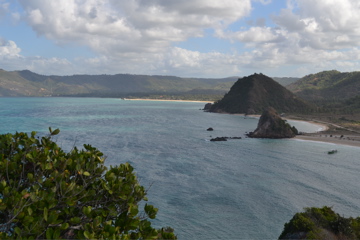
(328,85)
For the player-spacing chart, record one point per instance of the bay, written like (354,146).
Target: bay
(239,189)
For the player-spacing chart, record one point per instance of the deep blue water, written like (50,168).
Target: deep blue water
(239,189)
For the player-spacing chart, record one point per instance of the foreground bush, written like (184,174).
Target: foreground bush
(321,223)
(48,193)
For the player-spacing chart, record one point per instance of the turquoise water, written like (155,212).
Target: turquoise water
(239,189)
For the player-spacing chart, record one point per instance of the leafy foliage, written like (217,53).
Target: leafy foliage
(48,193)
(314,223)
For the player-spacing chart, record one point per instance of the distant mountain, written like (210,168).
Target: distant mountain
(27,83)
(327,85)
(285,81)
(257,92)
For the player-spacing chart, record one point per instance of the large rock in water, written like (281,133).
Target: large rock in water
(253,94)
(271,125)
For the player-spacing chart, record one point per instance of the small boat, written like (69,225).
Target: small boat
(332,151)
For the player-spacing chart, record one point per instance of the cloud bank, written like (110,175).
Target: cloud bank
(141,36)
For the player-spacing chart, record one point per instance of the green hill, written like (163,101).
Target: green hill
(327,85)
(27,83)
(257,92)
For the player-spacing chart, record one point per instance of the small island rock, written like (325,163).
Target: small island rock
(271,125)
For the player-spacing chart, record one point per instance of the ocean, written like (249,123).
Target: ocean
(238,189)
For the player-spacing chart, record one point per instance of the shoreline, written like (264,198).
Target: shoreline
(164,100)
(323,134)
(350,140)
(319,136)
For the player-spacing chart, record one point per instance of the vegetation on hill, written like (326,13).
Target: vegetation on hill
(27,83)
(46,193)
(285,81)
(323,224)
(327,86)
(257,92)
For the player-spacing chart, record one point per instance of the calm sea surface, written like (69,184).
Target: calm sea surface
(239,189)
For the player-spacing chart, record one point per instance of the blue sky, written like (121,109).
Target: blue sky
(198,38)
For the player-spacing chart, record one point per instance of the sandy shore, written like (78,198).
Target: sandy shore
(321,135)
(164,100)
(351,140)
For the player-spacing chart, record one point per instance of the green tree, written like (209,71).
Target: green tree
(321,223)
(48,193)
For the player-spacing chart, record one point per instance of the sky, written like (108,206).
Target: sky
(197,38)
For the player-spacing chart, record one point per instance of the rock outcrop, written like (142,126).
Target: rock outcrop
(271,125)
(207,106)
(221,139)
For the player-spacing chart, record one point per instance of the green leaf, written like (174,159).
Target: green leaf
(87,210)
(86,174)
(3,183)
(64,226)
(27,220)
(30,211)
(56,234)
(55,132)
(30,176)
(75,220)
(49,233)
(46,212)
(87,235)
(48,166)
(17,230)
(53,216)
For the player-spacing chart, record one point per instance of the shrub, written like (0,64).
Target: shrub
(48,193)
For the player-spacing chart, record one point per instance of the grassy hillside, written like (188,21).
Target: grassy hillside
(27,83)
(328,85)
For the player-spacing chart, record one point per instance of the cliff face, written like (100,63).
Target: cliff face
(271,125)
(255,93)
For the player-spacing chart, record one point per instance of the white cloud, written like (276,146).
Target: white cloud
(319,33)
(11,59)
(3,8)
(324,24)
(8,49)
(115,27)
(134,36)
(138,36)
(264,2)
(254,35)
